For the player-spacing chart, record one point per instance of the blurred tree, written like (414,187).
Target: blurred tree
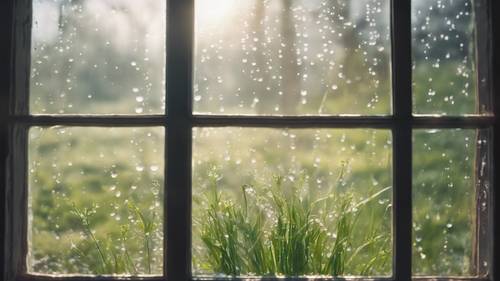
(262,76)
(443,28)
(290,70)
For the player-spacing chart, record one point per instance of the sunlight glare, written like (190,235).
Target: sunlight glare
(213,11)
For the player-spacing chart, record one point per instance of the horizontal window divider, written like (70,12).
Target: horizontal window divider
(348,278)
(342,121)
(466,122)
(259,121)
(89,120)
(305,278)
(36,277)
(451,278)
(30,277)
(294,121)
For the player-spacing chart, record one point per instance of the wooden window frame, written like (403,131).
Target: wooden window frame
(15,26)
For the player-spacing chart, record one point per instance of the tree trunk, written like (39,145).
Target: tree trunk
(290,70)
(262,76)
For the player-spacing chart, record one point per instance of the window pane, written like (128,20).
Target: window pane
(444,57)
(96,200)
(292,202)
(284,57)
(98,57)
(450,202)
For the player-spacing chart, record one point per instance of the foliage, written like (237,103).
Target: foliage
(114,254)
(280,231)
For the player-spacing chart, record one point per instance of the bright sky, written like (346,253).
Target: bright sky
(213,12)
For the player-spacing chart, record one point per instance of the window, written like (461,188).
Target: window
(271,139)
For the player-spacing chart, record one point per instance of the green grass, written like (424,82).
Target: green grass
(59,244)
(278,230)
(113,255)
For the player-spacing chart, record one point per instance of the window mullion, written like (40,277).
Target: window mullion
(180,29)
(21,56)
(89,120)
(481,253)
(5,85)
(16,187)
(483,60)
(402,136)
(495,266)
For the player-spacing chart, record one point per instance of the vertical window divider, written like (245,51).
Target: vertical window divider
(16,184)
(6,18)
(495,38)
(180,36)
(402,136)
(482,224)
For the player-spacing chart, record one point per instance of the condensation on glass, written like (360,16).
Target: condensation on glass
(281,57)
(292,202)
(98,57)
(451,195)
(95,201)
(445,64)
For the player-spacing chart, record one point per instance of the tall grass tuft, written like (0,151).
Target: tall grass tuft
(280,231)
(115,254)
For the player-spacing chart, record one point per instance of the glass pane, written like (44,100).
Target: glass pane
(282,57)
(96,200)
(295,202)
(450,202)
(98,57)
(444,57)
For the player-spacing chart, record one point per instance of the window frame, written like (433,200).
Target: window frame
(15,17)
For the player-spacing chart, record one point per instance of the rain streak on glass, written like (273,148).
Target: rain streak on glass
(450,202)
(98,57)
(281,57)
(95,201)
(444,64)
(292,202)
